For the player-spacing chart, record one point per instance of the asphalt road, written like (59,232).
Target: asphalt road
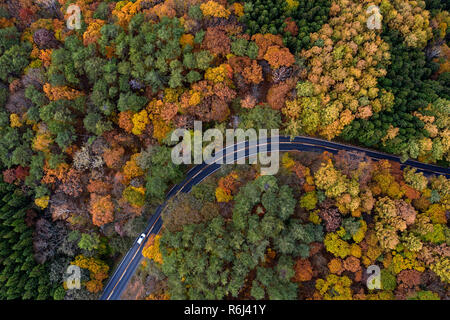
(125,270)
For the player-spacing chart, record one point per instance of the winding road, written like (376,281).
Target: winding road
(125,270)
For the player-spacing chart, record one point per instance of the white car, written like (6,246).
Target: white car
(141,238)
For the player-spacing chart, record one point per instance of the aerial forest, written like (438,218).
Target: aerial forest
(309,232)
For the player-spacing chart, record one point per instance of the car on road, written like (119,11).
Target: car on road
(141,238)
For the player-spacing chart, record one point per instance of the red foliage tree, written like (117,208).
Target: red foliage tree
(26,15)
(9,175)
(330,215)
(71,183)
(291,26)
(21,172)
(276,95)
(216,41)
(114,157)
(303,270)
(408,283)
(99,187)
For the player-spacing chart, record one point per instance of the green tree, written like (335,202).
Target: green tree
(89,242)
(20,276)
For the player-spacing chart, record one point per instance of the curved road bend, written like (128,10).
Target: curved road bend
(125,270)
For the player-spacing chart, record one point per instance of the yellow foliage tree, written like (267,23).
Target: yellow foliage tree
(152,251)
(214,9)
(223,195)
(42,202)
(63,92)
(131,168)
(41,142)
(342,80)
(410,18)
(98,271)
(140,121)
(125,10)
(14,120)
(218,74)
(92,33)
(187,38)
(161,127)
(335,288)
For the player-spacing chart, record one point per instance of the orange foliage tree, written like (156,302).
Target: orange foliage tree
(113,157)
(303,270)
(277,57)
(131,168)
(125,120)
(102,209)
(57,93)
(98,271)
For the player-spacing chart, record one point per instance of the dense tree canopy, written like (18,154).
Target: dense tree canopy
(310,232)
(20,276)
